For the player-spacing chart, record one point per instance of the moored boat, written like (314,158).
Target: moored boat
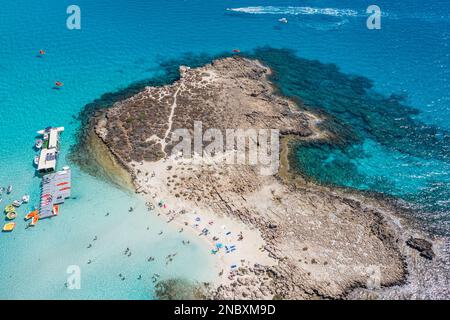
(9,189)
(26,198)
(34,220)
(11,215)
(31,214)
(17,203)
(8,227)
(38,144)
(36,160)
(9,208)
(55,209)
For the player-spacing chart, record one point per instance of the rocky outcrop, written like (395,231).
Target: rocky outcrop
(423,246)
(326,242)
(229,93)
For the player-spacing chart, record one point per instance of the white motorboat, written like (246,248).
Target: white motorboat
(26,198)
(38,144)
(17,203)
(36,160)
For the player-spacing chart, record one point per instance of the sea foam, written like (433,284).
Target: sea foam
(296,11)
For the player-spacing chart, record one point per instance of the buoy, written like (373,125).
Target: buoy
(59,84)
(236,50)
(41,52)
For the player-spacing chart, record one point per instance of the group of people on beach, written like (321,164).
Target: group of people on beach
(196,224)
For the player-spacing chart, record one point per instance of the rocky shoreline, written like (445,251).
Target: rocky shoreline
(307,241)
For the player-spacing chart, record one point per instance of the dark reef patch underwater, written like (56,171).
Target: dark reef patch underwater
(181,289)
(382,146)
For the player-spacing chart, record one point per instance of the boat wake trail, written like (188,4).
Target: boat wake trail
(297,11)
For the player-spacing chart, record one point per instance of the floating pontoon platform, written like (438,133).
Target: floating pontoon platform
(49,152)
(55,188)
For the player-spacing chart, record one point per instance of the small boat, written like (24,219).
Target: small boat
(9,208)
(41,52)
(55,210)
(38,143)
(36,160)
(59,84)
(283,20)
(11,215)
(26,198)
(34,220)
(9,189)
(17,203)
(8,227)
(31,214)
(236,50)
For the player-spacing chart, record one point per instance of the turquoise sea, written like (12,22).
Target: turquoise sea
(396,132)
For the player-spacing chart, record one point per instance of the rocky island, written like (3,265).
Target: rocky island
(295,239)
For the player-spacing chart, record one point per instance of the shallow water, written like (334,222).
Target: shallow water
(115,47)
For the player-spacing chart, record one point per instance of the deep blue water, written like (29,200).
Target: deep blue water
(126,41)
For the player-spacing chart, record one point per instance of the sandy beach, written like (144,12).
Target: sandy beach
(218,232)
